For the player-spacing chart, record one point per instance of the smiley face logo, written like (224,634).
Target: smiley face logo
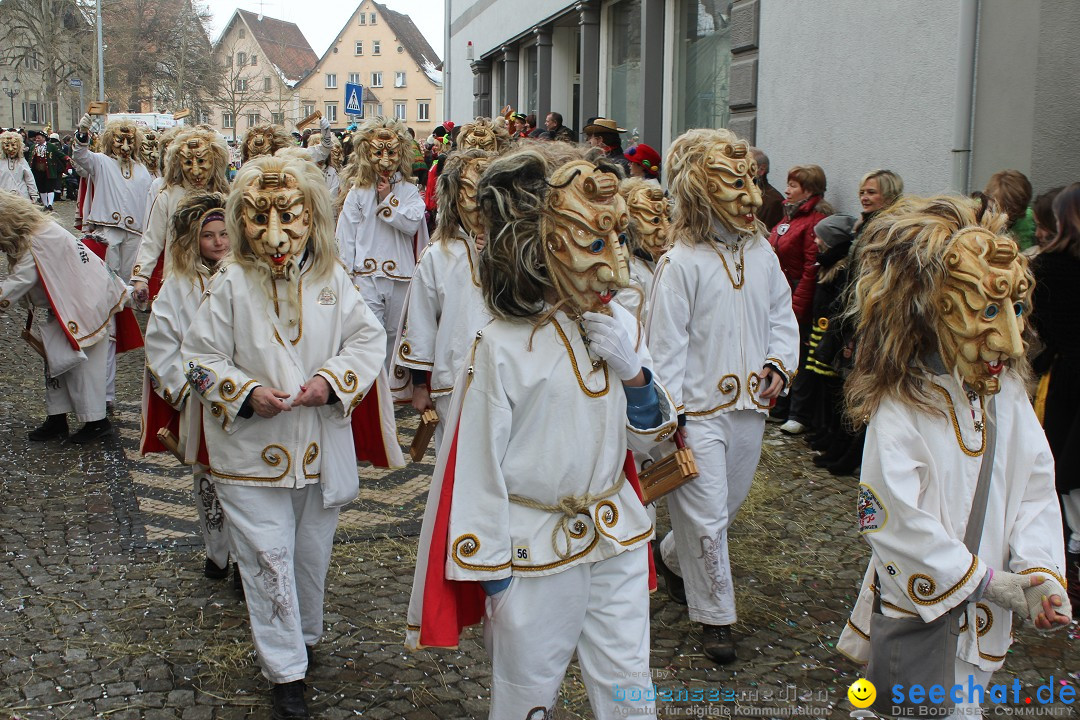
(862,693)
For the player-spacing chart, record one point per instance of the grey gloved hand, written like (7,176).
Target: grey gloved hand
(324,126)
(610,341)
(1034,595)
(85,122)
(1006,590)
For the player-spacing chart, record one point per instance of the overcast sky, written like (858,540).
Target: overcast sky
(320,20)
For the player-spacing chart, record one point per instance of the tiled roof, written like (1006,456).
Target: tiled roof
(283,44)
(411,38)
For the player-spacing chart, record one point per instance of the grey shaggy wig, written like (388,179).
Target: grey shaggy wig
(513,197)
(446,190)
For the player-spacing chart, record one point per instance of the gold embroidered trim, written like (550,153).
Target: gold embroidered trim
(465,547)
(229,391)
(885,603)
(728,384)
(739,266)
(405,349)
(662,433)
(860,633)
(468,256)
(310,455)
(924,585)
(560,563)
(271,458)
(753,382)
(788,374)
(1048,571)
(956,424)
(218,411)
(388,268)
(573,363)
(108,316)
(351,381)
(299,311)
(983,625)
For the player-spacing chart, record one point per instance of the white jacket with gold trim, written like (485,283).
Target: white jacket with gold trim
(376,238)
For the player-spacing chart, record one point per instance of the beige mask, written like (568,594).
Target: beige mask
(149,151)
(195,162)
(649,208)
(259,141)
(123,142)
(982,307)
(730,171)
(11,146)
(276,223)
(468,209)
(384,149)
(584,235)
(481,136)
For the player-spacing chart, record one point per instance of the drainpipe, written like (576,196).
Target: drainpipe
(963,124)
(447,11)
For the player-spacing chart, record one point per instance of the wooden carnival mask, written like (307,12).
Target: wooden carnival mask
(196,162)
(584,234)
(468,209)
(11,144)
(479,135)
(982,306)
(276,222)
(649,207)
(384,151)
(124,141)
(730,188)
(259,141)
(149,151)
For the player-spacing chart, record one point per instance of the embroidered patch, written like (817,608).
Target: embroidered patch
(201,378)
(327,297)
(872,514)
(273,569)
(521,552)
(215,516)
(714,551)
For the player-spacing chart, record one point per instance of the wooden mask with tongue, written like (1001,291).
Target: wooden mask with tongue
(986,293)
(730,188)
(276,223)
(584,235)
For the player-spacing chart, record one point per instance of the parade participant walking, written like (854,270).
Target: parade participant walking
(15,174)
(940,303)
(195,162)
(199,248)
(72,297)
(530,501)
(280,353)
(445,307)
(649,236)
(379,218)
(269,139)
(47,163)
(330,166)
(725,342)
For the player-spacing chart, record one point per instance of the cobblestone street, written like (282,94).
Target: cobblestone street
(104,611)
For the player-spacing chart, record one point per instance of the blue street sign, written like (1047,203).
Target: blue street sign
(354,99)
(75,82)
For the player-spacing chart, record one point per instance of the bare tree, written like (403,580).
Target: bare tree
(50,37)
(239,87)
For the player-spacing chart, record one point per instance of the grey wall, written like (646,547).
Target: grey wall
(1055,157)
(853,86)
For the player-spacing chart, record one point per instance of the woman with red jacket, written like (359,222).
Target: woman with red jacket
(793,240)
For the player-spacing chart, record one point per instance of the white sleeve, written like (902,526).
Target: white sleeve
(402,209)
(31,183)
(19,281)
(164,335)
(348,229)
(668,330)
(416,347)
(153,239)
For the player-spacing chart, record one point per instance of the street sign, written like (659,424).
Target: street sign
(354,99)
(75,82)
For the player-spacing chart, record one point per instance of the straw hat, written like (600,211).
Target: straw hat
(603,125)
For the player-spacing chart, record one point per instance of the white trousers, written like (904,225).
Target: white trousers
(385,298)
(81,390)
(215,530)
(282,538)
(727,448)
(442,406)
(123,249)
(601,610)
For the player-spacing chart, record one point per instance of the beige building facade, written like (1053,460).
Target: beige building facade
(386,53)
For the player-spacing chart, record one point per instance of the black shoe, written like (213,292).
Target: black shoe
(821,442)
(55,426)
(676,590)
(310,656)
(717,643)
(1072,577)
(91,431)
(849,462)
(237,581)
(212,571)
(288,701)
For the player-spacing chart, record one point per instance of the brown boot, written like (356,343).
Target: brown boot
(717,643)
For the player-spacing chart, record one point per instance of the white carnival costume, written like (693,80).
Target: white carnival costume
(720,325)
(15,174)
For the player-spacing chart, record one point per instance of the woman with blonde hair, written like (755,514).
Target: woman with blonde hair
(199,248)
(15,174)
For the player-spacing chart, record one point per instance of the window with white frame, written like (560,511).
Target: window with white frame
(423,110)
(331,112)
(241,59)
(376,79)
(278,118)
(363,18)
(307,109)
(253,119)
(359,48)
(376,47)
(399,110)
(266,84)
(399,79)
(254,59)
(226,120)
(331,80)
(240,84)
(354,78)
(373,16)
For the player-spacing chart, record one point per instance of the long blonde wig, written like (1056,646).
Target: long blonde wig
(111,128)
(187,227)
(321,246)
(12,135)
(688,183)
(19,220)
(901,265)
(219,154)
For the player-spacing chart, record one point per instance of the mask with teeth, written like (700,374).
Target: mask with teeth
(649,208)
(982,306)
(149,151)
(584,233)
(196,162)
(384,149)
(275,222)
(11,144)
(123,142)
(730,188)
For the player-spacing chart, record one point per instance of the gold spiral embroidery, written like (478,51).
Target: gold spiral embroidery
(1048,571)
(983,624)
(921,588)
(310,455)
(229,391)
(754,382)
(728,385)
(348,382)
(467,546)
(73,327)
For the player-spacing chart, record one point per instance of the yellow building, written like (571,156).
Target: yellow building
(386,53)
